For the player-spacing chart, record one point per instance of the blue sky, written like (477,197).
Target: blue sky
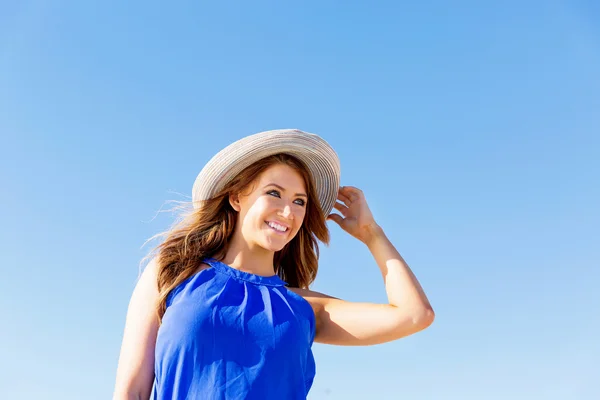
(472,128)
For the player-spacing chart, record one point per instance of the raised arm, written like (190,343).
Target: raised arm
(135,372)
(347,323)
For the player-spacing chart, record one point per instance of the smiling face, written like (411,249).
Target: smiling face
(271,215)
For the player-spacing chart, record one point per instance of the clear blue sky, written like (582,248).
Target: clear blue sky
(473,129)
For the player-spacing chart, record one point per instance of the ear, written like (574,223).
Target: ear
(234,201)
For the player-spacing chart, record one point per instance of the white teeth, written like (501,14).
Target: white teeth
(277,226)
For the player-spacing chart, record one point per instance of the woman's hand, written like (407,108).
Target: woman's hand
(356,218)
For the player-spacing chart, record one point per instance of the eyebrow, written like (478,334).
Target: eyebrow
(283,189)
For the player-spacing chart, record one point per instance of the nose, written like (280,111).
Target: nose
(287,212)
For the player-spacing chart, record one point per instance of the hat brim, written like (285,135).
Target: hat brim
(320,158)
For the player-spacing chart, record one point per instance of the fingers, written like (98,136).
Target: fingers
(341,208)
(350,193)
(335,218)
(342,197)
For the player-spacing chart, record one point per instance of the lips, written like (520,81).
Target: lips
(278,227)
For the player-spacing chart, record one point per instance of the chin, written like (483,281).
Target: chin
(273,247)
(274,244)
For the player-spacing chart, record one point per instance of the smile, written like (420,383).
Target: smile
(277,227)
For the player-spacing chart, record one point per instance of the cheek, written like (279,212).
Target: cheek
(259,211)
(299,217)
(265,207)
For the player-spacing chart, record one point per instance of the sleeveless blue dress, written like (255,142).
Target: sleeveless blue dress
(229,334)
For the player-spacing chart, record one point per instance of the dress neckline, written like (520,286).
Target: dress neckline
(223,268)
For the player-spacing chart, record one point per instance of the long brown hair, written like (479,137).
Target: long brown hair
(207,231)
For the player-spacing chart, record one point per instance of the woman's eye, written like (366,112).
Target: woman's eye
(275,193)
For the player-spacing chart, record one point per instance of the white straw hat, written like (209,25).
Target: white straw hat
(320,158)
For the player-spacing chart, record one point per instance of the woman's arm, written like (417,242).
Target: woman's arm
(135,372)
(408,310)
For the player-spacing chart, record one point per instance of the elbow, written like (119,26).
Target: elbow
(421,318)
(424,318)
(412,321)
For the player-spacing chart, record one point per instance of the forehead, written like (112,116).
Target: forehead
(282,175)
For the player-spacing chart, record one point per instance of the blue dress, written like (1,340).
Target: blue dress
(229,334)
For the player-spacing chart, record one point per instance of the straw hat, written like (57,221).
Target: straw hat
(316,153)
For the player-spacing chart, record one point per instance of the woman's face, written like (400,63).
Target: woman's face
(272,214)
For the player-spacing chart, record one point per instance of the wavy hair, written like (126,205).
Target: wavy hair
(207,231)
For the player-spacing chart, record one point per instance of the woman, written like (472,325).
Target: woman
(223,310)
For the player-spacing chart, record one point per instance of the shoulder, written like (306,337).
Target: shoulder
(149,275)
(317,300)
(156,271)
(310,295)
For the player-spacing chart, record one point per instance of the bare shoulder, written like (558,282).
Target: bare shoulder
(310,295)
(317,300)
(148,278)
(153,269)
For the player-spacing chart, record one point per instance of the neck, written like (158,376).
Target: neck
(255,260)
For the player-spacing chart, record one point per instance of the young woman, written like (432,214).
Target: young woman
(224,309)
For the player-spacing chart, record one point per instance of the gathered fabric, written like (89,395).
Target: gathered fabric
(228,334)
